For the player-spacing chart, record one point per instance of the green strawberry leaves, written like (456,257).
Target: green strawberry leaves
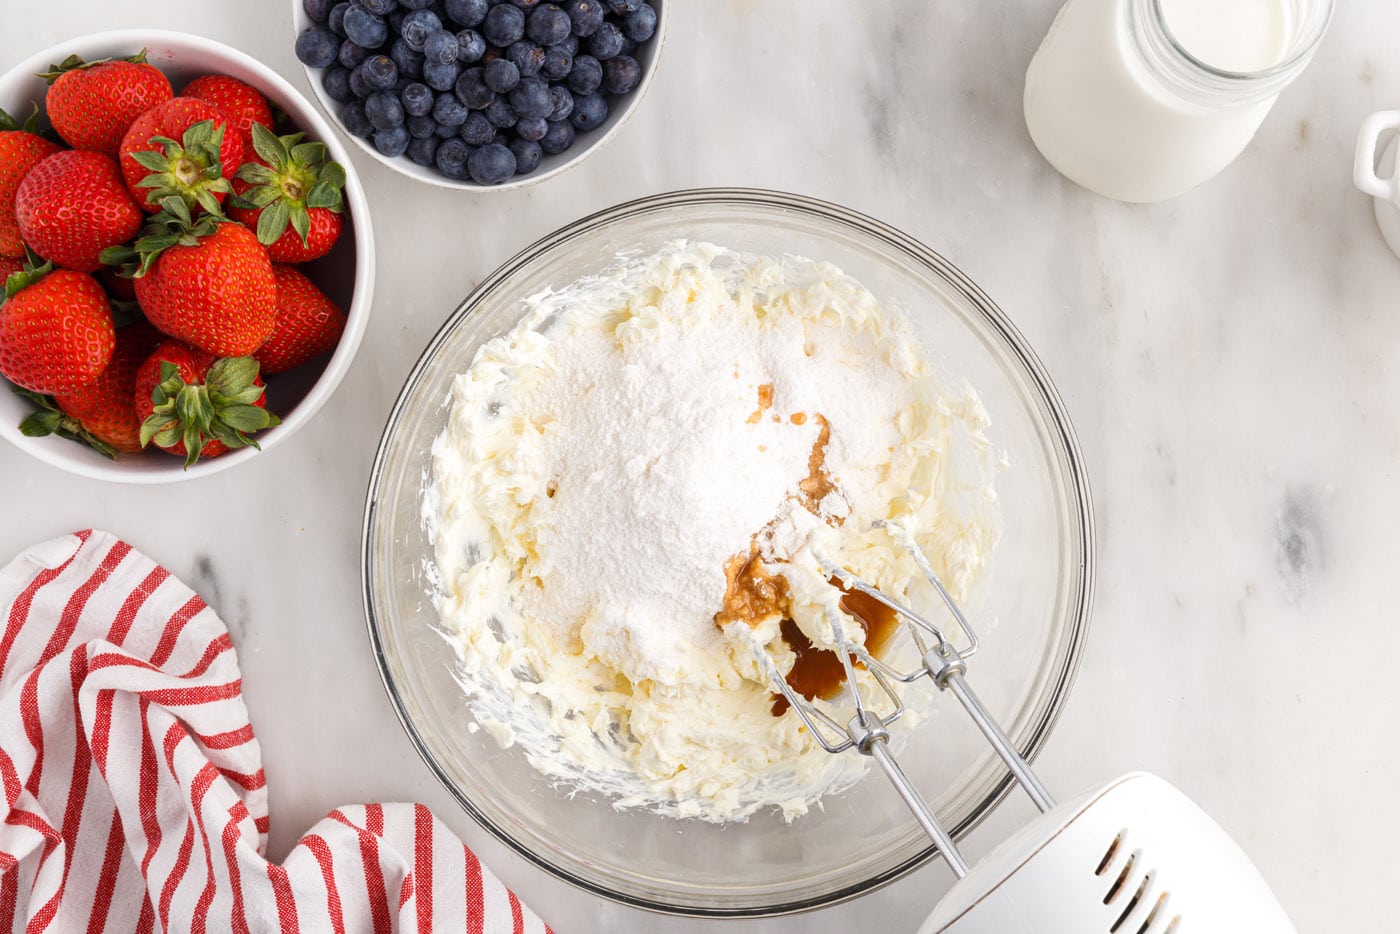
(49,419)
(76,63)
(35,268)
(191,168)
(173,225)
(221,408)
(293,178)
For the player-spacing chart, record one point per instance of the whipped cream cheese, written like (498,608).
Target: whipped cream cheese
(608,457)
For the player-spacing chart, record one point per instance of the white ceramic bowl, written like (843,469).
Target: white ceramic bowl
(346,274)
(647,56)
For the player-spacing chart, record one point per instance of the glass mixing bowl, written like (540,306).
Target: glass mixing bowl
(1031,610)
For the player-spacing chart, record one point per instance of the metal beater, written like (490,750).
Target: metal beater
(1132,856)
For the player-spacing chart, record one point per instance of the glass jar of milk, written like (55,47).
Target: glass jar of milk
(1143,100)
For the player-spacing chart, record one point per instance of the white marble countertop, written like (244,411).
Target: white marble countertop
(1226,358)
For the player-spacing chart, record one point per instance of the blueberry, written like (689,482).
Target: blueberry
(624,6)
(378,72)
(418,26)
(621,74)
(502,75)
(364,28)
(415,4)
(606,42)
(355,121)
(441,77)
(317,47)
(470,46)
(392,142)
(472,90)
(441,47)
(336,81)
(557,62)
(504,24)
(527,57)
(417,99)
(351,54)
(570,45)
(527,155)
(451,158)
(421,127)
(500,114)
(448,111)
(531,98)
(590,111)
(384,110)
(410,62)
(531,128)
(559,137)
(380,7)
(466,12)
(422,151)
(526,5)
(563,102)
(585,16)
(443,131)
(357,84)
(395,21)
(548,25)
(318,10)
(640,25)
(477,130)
(491,164)
(337,18)
(587,75)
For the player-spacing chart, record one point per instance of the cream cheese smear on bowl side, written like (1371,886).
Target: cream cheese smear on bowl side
(630,495)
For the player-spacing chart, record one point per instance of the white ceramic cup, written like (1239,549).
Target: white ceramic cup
(1375,171)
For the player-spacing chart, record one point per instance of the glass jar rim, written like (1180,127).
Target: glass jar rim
(1185,72)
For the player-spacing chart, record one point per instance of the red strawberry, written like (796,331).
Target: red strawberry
(20,151)
(9,267)
(72,206)
(195,405)
(119,287)
(56,330)
(308,323)
(183,147)
(209,282)
(291,195)
(91,104)
(243,104)
(101,414)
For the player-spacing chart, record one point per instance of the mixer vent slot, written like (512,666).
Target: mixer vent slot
(1117,887)
(1132,902)
(1110,853)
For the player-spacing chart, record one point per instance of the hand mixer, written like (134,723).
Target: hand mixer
(1133,855)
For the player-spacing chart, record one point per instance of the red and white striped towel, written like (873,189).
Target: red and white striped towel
(134,795)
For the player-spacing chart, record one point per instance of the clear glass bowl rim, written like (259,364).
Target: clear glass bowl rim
(1057,422)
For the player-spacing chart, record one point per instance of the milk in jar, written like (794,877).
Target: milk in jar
(1143,100)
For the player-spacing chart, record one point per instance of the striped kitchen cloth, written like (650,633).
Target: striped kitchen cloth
(134,791)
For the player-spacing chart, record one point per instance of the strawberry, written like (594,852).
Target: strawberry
(20,150)
(101,414)
(56,331)
(208,282)
(182,147)
(308,323)
(195,405)
(72,206)
(243,104)
(291,195)
(9,267)
(91,104)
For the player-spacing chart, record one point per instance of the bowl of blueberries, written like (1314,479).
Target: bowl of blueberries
(479,93)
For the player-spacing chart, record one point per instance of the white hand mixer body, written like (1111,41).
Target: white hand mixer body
(1133,856)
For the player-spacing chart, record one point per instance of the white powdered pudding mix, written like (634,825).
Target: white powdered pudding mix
(641,432)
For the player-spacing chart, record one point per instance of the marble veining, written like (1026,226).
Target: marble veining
(1227,359)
